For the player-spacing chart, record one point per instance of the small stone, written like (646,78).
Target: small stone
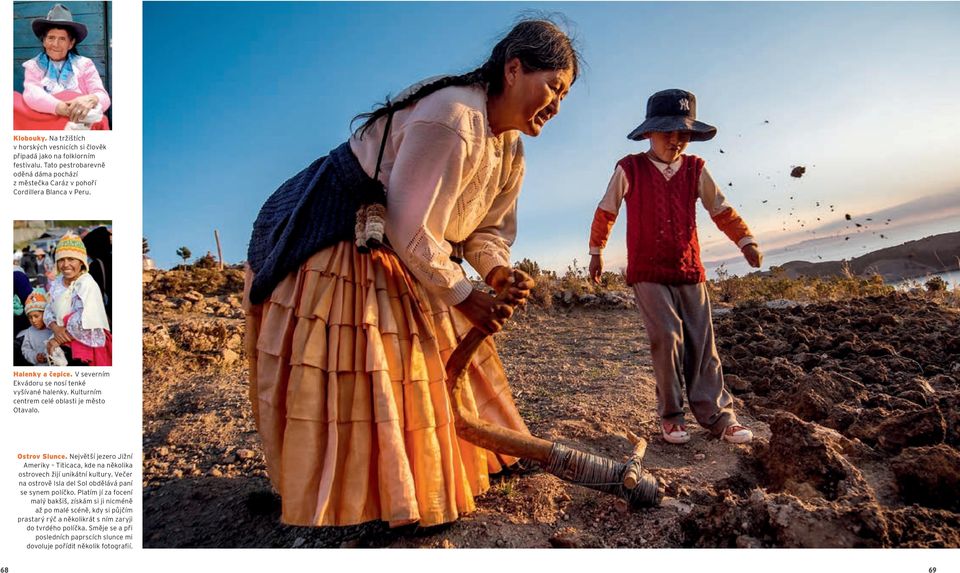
(163,451)
(699,456)
(177,474)
(193,296)
(245,454)
(229,356)
(682,508)
(446,544)
(501,543)
(736,383)
(216,473)
(747,542)
(564,541)
(235,342)
(298,542)
(566,517)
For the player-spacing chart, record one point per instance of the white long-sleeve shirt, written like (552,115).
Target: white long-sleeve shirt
(448,180)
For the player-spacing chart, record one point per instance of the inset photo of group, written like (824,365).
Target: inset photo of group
(61,66)
(62,277)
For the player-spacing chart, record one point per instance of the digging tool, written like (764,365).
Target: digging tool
(625,480)
(632,475)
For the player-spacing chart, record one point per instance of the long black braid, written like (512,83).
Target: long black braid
(538,44)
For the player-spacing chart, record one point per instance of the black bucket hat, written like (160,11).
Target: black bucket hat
(673,110)
(59,17)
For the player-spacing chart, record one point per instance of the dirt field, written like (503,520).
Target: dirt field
(855,406)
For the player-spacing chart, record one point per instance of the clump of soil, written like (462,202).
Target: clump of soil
(860,398)
(924,475)
(855,406)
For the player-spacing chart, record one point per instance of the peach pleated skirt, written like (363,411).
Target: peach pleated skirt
(348,389)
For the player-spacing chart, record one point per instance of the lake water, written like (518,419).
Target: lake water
(858,244)
(952,278)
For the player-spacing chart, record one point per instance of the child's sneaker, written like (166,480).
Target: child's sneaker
(737,434)
(675,433)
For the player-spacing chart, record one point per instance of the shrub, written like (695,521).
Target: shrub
(529,267)
(545,289)
(935,284)
(756,288)
(207,261)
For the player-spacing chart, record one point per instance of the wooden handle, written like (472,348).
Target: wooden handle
(634,468)
(469,426)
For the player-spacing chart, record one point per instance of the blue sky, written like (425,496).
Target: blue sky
(238,97)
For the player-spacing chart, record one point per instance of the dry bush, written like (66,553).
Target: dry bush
(754,288)
(575,279)
(731,289)
(935,284)
(575,282)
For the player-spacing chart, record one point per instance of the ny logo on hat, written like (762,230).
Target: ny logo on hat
(684,104)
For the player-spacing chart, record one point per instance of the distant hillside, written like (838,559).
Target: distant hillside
(922,257)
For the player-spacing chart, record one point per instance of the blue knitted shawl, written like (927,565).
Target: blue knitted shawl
(314,209)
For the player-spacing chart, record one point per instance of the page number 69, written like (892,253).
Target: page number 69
(930,570)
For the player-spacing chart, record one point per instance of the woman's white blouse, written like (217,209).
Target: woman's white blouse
(449,180)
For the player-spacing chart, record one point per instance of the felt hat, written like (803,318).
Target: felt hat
(59,17)
(673,110)
(71,246)
(36,301)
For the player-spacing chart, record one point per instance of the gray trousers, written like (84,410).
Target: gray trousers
(679,325)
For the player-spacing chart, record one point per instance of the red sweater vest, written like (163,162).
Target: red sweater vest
(662,245)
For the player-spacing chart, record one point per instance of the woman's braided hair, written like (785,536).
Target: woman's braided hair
(539,44)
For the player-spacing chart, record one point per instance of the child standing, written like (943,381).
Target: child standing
(34,339)
(661,187)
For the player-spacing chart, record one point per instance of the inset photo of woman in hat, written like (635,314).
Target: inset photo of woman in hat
(61,67)
(62,309)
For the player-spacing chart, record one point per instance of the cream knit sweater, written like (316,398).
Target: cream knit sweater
(449,180)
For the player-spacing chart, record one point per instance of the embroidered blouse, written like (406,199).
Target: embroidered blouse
(93,337)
